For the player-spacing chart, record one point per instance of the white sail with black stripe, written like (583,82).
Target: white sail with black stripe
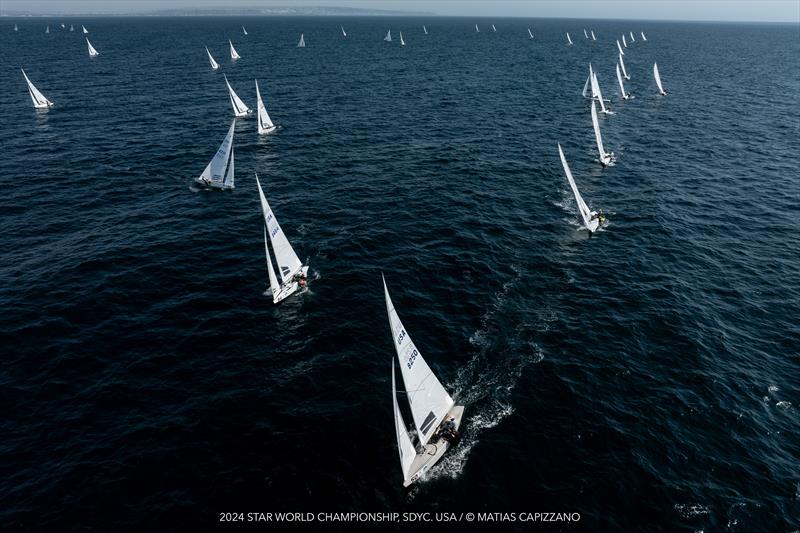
(219,172)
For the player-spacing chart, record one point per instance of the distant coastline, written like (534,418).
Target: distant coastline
(232,12)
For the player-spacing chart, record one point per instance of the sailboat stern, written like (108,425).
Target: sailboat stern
(434,450)
(290,288)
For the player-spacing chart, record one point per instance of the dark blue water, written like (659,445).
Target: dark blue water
(646,377)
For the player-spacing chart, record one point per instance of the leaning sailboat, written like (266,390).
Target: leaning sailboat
(39,100)
(625,95)
(388,37)
(569,40)
(606,158)
(493,28)
(424,29)
(621,51)
(214,64)
(593,37)
(219,172)
(244,30)
(234,54)
(265,124)
(239,107)
(622,64)
(657,76)
(435,416)
(476,29)
(302,43)
(84,29)
(530,34)
(591,219)
(599,95)
(402,42)
(344,34)
(292,271)
(643,37)
(92,51)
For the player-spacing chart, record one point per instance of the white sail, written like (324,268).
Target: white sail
(424,29)
(621,52)
(234,54)
(219,172)
(643,37)
(344,34)
(39,100)
(593,37)
(63,27)
(273,281)
(15,28)
(92,51)
(244,30)
(529,33)
(605,157)
(632,39)
(214,64)
(622,64)
(84,29)
(71,27)
(404,446)
(265,124)
(493,28)
(302,43)
(239,107)
(624,42)
(426,396)
(388,37)
(569,39)
(588,87)
(47,29)
(658,79)
(586,213)
(622,92)
(598,94)
(585,34)
(476,29)
(402,42)
(288,262)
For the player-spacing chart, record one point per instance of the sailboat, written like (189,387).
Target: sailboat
(658,80)
(244,30)
(92,51)
(593,37)
(388,37)
(599,95)
(63,27)
(39,100)
(424,29)
(47,29)
(265,124)
(344,34)
(622,64)
(402,42)
(15,28)
(239,107)
(84,29)
(302,43)
(71,27)
(234,54)
(585,34)
(291,269)
(529,33)
(219,172)
(631,34)
(494,29)
(625,95)
(621,52)
(588,87)
(214,64)
(624,42)
(606,158)
(569,40)
(431,406)
(476,29)
(643,37)
(591,219)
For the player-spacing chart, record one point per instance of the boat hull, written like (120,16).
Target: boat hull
(287,290)
(434,451)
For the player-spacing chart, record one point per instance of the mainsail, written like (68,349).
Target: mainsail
(302,43)
(586,213)
(624,42)
(404,445)
(621,52)
(388,37)
(214,64)
(234,54)
(219,172)
(643,37)
(428,399)
(288,262)
(402,42)
(244,30)
(39,100)
(569,39)
(71,27)
(622,64)
(605,158)
(585,34)
(344,34)
(424,29)
(476,29)
(265,124)
(588,87)
(599,95)
(622,92)
(92,51)
(239,107)
(632,39)
(658,79)
(593,37)
(493,28)
(84,29)
(529,33)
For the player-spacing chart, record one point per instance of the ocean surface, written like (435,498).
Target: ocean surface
(646,376)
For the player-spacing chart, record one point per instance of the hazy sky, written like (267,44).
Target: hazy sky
(731,10)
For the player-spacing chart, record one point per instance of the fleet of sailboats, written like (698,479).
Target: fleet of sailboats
(92,51)
(292,272)
(239,107)
(39,100)
(219,172)
(436,418)
(591,219)
(265,124)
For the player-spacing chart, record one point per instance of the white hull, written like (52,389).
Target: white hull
(433,451)
(287,289)
(212,185)
(268,130)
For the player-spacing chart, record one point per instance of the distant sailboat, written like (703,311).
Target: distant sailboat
(424,29)
(585,34)
(476,29)
(402,42)
(591,219)
(588,87)
(593,37)
(15,28)
(631,34)
(47,29)
(433,411)
(71,27)
(493,28)
(599,95)
(84,29)
(214,64)
(621,51)
(624,42)
(265,124)
(39,100)
(92,51)
(606,158)
(63,27)
(239,107)
(234,54)
(658,80)
(625,95)
(344,34)
(569,40)
(244,30)
(292,271)
(219,172)
(643,37)
(302,43)
(388,37)
(529,33)
(622,64)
